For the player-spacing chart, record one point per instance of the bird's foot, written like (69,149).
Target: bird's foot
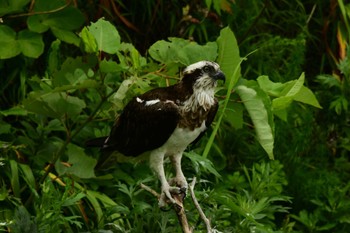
(181,183)
(176,186)
(166,195)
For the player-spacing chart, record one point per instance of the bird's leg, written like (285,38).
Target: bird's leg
(180,179)
(156,163)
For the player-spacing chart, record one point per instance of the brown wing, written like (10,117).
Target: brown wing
(143,127)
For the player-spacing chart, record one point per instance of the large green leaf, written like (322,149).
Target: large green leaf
(228,57)
(68,18)
(66,36)
(271,88)
(182,51)
(73,71)
(11,6)
(306,96)
(230,63)
(80,164)
(31,43)
(9,45)
(88,41)
(259,115)
(287,92)
(53,104)
(106,36)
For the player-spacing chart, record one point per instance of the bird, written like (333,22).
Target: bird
(165,121)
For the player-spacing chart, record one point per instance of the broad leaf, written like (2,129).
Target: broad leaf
(31,43)
(9,45)
(106,36)
(204,163)
(7,7)
(66,36)
(306,96)
(109,66)
(69,18)
(228,49)
(271,88)
(228,57)
(80,164)
(73,71)
(14,111)
(259,115)
(182,51)
(293,87)
(53,104)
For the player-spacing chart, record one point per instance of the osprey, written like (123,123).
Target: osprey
(165,121)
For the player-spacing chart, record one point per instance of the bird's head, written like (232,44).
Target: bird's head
(203,75)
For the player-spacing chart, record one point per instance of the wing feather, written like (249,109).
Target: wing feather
(143,127)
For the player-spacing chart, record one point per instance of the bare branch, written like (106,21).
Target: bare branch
(178,207)
(40,12)
(198,207)
(150,190)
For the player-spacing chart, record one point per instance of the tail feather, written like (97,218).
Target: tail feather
(106,159)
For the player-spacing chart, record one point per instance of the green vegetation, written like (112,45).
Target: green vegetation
(276,158)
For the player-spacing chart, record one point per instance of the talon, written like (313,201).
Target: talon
(166,196)
(183,190)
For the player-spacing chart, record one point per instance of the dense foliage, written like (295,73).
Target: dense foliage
(275,160)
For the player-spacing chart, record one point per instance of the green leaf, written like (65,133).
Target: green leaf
(287,92)
(35,24)
(9,45)
(89,41)
(228,57)
(15,185)
(81,165)
(306,96)
(70,18)
(31,43)
(66,36)
(291,88)
(234,115)
(232,80)
(106,36)
(271,88)
(109,66)
(259,115)
(182,51)
(73,200)
(53,104)
(7,7)
(14,111)
(137,60)
(73,71)
(205,163)
(29,177)
(281,103)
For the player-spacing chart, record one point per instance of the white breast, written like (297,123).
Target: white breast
(180,139)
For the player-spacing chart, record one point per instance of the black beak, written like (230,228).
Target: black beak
(219,75)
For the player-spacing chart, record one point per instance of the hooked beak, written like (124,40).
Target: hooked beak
(219,75)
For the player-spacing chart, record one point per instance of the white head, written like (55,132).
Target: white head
(203,74)
(202,78)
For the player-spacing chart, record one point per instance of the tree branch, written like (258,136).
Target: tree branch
(178,207)
(180,210)
(39,12)
(198,207)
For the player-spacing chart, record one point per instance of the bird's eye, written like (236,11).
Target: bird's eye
(206,69)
